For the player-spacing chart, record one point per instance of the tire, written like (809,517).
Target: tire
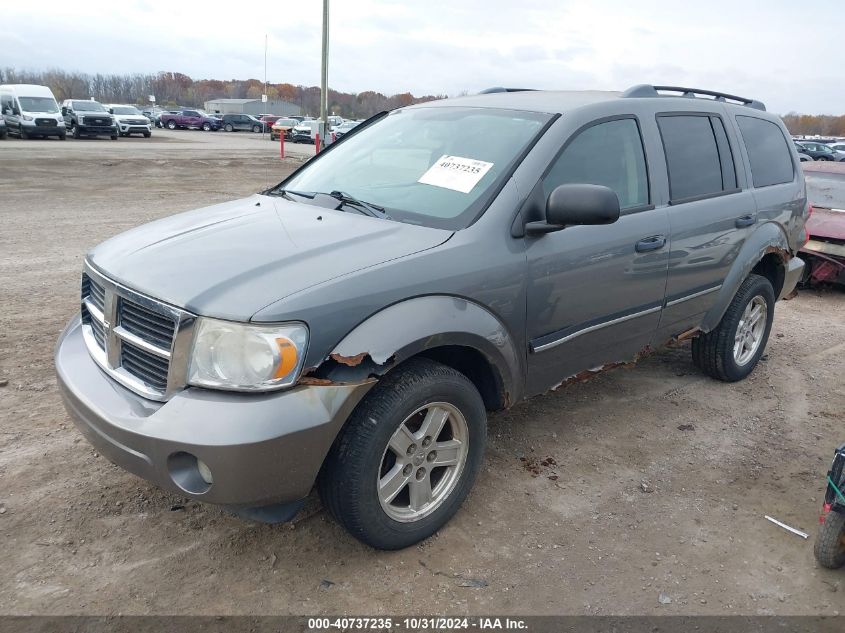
(206,127)
(22,133)
(823,158)
(62,137)
(714,352)
(830,542)
(74,130)
(114,137)
(361,456)
(147,134)
(171,125)
(229,127)
(256,129)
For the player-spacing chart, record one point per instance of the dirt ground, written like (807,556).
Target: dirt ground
(640,492)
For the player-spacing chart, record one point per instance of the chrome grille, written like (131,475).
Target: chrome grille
(142,343)
(149,325)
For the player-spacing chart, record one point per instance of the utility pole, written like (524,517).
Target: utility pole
(324,80)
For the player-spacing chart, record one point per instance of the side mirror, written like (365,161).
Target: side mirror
(111,110)
(576,204)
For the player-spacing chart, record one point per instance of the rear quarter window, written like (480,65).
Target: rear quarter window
(768,151)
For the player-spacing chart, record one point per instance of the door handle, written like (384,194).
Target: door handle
(652,243)
(745,220)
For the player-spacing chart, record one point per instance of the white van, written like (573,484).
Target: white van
(31,111)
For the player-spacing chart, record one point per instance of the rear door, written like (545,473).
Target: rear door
(711,213)
(595,293)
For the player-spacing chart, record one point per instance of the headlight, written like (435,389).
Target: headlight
(246,357)
(26,117)
(81,120)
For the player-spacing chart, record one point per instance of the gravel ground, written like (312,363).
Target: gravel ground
(640,492)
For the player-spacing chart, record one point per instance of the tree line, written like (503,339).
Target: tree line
(172,89)
(821,124)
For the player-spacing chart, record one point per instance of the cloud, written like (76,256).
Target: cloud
(444,46)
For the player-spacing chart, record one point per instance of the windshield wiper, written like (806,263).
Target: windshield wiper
(304,194)
(366,208)
(369,209)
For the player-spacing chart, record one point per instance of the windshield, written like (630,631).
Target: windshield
(88,106)
(38,104)
(125,110)
(432,166)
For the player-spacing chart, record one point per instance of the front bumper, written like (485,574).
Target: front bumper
(97,130)
(261,449)
(46,130)
(132,128)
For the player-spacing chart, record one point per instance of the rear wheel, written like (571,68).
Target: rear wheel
(171,125)
(830,542)
(206,127)
(229,127)
(256,128)
(731,351)
(407,457)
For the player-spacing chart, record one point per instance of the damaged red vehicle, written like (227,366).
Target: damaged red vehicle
(824,252)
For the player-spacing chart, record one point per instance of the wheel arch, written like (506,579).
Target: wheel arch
(766,252)
(451,330)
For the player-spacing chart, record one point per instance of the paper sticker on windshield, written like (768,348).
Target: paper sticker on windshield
(456,173)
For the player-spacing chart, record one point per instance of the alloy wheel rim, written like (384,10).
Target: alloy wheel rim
(750,330)
(423,462)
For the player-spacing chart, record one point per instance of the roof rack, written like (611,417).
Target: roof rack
(488,91)
(647,90)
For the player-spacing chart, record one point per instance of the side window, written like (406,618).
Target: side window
(768,151)
(609,154)
(698,156)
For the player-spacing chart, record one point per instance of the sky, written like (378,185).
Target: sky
(745,47)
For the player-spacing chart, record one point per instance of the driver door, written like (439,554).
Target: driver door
(595,293)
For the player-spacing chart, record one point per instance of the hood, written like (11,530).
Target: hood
(232,259)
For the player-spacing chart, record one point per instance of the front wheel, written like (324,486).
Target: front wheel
(407,457)
(229,127)
(171,125)
(830,543)
(256,128)
(206,127)
(731,351)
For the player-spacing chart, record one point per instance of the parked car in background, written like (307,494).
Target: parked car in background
(305,132)
(804,158)
(88,118)
(282,127)
(269,119)
(130,120)
(191,120)
(838,146)
(352,325)
(819,151)
(242,122)
(154,115)
(824,252)
(344,128)
(31,111)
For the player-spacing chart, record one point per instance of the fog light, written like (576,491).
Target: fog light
(205,472)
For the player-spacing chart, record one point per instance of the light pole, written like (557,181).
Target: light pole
(324,80)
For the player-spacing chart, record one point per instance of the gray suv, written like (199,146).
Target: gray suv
(353,325)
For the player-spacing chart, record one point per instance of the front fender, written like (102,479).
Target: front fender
(405,329)
(767,238)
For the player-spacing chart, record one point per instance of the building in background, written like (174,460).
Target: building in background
(251,106)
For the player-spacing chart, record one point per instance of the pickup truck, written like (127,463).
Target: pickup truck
(190,119)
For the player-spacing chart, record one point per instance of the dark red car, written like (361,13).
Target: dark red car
(824,252)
